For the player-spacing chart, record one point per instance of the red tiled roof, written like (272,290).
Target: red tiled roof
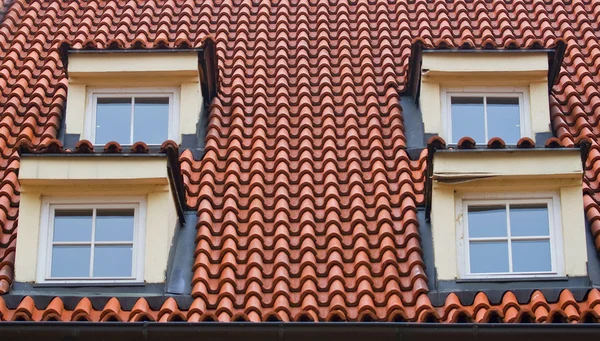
(566,309)
(306,196)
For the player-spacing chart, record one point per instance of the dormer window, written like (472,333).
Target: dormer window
(510,237)
(484,114)
(515,213)
(130,116)
(131,96)
(486,94)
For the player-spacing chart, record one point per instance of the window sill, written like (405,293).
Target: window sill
(88,284)
(513,279)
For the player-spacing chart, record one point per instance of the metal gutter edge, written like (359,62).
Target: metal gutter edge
(182,331)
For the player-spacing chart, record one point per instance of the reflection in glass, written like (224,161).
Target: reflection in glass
(70,261)
(113,120)
(151,120)
(72,226)
(487,221)
(529,220)
(113,261)
(504,118)
(531,256)
(489,257)
(468,118)
(114,225)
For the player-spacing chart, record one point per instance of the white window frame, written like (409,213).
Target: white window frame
(552,199)
(94,93)
(49,206)
(521,93)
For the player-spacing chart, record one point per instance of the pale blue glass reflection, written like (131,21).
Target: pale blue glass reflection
(114,225)
(468,119)
(70,261)
(72,226)
(487,221)
(151,120)
(504,118)
(531,256)
(489,257)
(113,260)
(113,120)
(529,220)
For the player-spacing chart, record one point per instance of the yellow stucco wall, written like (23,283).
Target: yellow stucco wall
(480,72)
(517,176)
(485,62)
(69,181)
(100,64)
(539,163)
(133,71)
(37,170)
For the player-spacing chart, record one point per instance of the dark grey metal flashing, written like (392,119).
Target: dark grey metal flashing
(181,257)
(427,137)
(541,138)
(466,290)
(295,331)
(69,140)
(196,142)
(413,123)
(593,258)
(189,141)
(427,247)
(467,297)
(46,293)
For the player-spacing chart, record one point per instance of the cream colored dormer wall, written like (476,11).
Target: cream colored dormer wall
(483,71)
(128,72)
(74,179)
(510,174)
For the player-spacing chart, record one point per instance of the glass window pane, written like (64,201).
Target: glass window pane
(72,225)
(151,120)
(70,261)
(504,118)
(113,261)
(529,220)
(114,225)
(467,118)
(488,257)
(113,120)
(487,221)
(531,256)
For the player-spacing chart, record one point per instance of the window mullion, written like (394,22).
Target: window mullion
(92,242)
(132,120)
(449,117)
(485,120)
(510,260)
